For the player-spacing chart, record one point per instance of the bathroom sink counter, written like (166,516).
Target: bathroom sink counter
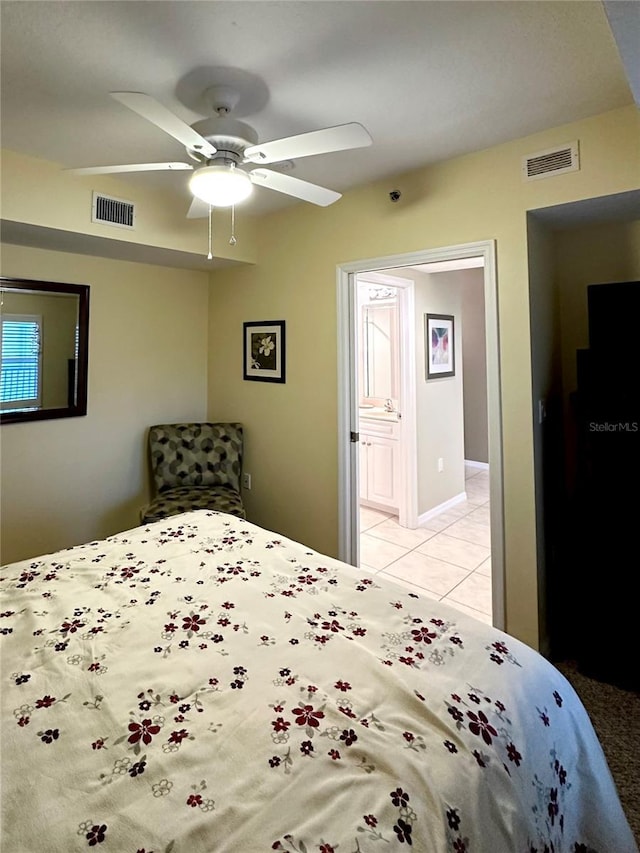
(377,413)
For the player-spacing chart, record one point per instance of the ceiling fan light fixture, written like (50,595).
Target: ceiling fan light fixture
(221,185)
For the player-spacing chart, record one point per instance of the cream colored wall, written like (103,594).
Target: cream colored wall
(76,479)
(58,347)
(41,193)
(291,429)
(474,362)
(439,402)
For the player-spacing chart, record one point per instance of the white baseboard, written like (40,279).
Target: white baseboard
(431,513)
(483,466)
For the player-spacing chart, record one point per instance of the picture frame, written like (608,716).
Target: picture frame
(264,351)
(439,344)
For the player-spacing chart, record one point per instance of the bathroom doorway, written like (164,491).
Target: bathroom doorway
(349,398)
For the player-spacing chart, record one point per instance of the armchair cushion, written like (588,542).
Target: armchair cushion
(183,499)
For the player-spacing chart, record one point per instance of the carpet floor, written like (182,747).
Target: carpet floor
(615,714)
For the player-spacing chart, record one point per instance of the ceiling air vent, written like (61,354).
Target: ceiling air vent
(112,211)
(554,161)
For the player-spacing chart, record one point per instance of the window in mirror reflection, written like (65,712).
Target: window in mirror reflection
(43,337)
(21,376)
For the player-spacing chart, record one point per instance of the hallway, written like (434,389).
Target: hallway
(449,558)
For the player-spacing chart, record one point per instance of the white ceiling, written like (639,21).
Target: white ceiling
(429,80)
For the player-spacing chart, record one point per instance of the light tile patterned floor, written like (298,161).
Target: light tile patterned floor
(448,558)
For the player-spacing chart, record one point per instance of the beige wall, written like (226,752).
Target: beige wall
(40,193)
(291,429)
(75,479)
(474,365)
(439,407)
(59,325)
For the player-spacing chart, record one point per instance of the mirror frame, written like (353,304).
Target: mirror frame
(79,408)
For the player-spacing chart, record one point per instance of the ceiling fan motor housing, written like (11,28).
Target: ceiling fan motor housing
(228,136)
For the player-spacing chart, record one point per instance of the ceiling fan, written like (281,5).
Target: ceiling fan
(229,159)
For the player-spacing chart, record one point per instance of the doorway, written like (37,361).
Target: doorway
(349,449)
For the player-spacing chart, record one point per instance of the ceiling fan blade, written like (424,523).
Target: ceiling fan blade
(198,210)
(131,167)
(157,114)
(339,138)
(294,186)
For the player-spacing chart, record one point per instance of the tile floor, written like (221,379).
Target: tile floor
(448,558)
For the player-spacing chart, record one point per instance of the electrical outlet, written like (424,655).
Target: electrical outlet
(246,481)
(440,465)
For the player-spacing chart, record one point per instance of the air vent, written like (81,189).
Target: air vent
(112,211)
(554,161)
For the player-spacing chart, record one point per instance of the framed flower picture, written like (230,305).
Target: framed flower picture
(439,345)
(264,351)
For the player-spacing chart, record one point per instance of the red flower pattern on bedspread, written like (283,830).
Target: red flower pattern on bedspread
(143,731)
(288,679)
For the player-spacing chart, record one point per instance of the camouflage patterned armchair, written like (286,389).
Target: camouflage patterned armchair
(195,466)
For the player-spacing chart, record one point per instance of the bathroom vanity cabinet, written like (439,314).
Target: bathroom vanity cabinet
(379,462)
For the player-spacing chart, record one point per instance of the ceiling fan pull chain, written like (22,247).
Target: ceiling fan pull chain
(210,256)
(233,240)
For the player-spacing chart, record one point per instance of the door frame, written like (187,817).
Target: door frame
(348,492)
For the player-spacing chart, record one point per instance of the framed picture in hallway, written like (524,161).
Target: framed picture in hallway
(264,351)
(439,345)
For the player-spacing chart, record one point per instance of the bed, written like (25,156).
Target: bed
(203,685)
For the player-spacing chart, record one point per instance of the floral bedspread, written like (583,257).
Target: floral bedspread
(203,685)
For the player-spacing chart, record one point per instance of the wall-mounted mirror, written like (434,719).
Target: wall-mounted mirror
(379,357)
(44,336)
